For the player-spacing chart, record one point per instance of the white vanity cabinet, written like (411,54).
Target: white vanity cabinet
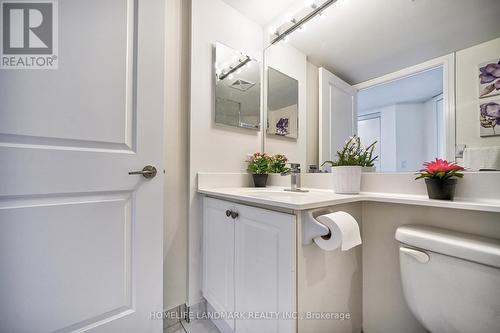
(249,261)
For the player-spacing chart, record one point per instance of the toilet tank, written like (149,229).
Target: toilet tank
(451,280)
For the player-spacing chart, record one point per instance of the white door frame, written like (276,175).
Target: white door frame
(447,62)
(330,115)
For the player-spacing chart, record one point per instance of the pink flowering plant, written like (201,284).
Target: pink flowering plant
(262,163)
(278,163)
(259,163)
(440,169)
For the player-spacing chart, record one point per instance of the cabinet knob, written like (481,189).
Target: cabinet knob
(234,215)
(228,213)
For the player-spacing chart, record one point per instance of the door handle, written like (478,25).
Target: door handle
(232,214)
(147,172)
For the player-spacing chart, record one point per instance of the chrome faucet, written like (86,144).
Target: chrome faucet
(294,173)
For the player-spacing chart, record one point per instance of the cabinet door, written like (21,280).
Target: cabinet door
(218,256)
(264,269)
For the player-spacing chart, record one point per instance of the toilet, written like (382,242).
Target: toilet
(451,280)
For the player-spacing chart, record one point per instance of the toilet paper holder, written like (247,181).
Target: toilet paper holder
(311,228)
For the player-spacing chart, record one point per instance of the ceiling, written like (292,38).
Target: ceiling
(261,11)
(415,88)
(362,39)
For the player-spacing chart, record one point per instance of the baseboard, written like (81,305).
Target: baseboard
(174,316)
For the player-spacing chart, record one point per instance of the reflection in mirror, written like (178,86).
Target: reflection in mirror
(282,104)
(237,88)
(405,116)
(425,94)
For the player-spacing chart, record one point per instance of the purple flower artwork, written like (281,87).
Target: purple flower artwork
(489,116)
(282,127)
(489,79)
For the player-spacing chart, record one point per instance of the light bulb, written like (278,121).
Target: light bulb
(230,76)
(238,71)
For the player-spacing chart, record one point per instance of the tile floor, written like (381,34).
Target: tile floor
(196,326)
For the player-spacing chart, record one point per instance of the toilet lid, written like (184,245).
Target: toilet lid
(482,250)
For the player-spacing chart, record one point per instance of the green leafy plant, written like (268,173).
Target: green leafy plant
(440,169)
(278,163)
(259,163)
(262,163)
(354,154)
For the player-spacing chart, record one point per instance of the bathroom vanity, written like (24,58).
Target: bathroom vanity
(249,264)
(256,262)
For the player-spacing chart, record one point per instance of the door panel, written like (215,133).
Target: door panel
(265,268)
(369,131)
(92,273)
(91,105)
(218,256)
(337,116)
(81,240)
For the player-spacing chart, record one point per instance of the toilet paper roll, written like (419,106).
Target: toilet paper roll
(344,232)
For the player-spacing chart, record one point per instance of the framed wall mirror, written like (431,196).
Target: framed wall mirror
(418,103)
(237,88)
(282,104)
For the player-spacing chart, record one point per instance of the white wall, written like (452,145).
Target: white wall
(312,115)
(387,144)
(410,140)
(176,154)
(431,150)
(293,63)
(213,148)
(467,105)
(407,135)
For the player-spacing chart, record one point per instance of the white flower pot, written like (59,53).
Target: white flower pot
(368,169)
(347,179)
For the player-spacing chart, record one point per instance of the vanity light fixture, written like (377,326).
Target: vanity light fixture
(228,72)
(298,24)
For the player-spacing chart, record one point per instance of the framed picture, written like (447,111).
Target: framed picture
(489,116)
(489,78)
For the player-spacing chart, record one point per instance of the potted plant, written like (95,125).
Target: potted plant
(278,164)
(367,161)
(348,166)
(441,178)
(259,165)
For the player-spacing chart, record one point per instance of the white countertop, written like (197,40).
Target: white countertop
(316,198)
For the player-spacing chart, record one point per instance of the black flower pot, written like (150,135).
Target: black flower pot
(441,189)
(259,180)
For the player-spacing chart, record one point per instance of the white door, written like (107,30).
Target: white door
(265,269)
(218,256)
(337,114)
(80,238)
(369,132)
(440,129)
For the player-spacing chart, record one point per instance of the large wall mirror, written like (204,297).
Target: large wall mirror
(406,116)
(237,88)
(431,95)
(282,104)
